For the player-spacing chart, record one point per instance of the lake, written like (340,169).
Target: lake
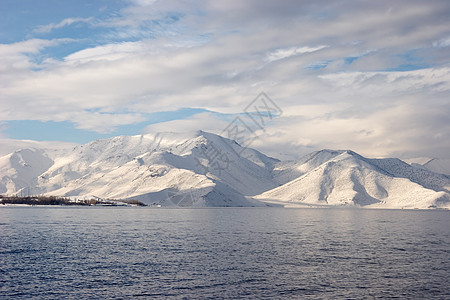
(266,253)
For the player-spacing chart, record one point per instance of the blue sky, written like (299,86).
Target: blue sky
(65,131)
(372,76)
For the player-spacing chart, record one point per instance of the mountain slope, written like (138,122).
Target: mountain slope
(20,170)
(346,178)
(436,165)
(204,169)
(201,164)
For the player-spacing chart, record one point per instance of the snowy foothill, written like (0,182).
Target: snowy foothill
(207,170)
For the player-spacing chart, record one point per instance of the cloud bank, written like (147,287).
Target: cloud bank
(373,76)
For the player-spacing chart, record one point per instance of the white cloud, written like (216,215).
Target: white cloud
(106,52)
(287,52)
(144,2)
(398,131)
(445,42)
(101,122)
(389,83)
(220,55)
(202,121)
(18,56)
(28,46)
(66,22)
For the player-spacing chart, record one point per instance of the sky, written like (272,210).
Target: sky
(371,76)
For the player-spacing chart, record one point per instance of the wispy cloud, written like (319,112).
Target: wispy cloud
(32,46)
(144,2)
(292,51)
(18,58)
(107,52)
(444,42)
(66,22)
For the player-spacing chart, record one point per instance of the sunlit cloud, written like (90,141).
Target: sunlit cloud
(380,87)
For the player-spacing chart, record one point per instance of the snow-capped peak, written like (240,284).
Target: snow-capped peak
(204,169)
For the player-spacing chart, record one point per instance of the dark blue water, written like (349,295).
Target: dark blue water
(98,253)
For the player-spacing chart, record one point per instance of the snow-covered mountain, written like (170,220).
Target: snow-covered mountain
(346,178)
(436,165)
(170,169)
(204,169)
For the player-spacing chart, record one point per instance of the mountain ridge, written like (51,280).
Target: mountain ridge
(348,179)
(204,169)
